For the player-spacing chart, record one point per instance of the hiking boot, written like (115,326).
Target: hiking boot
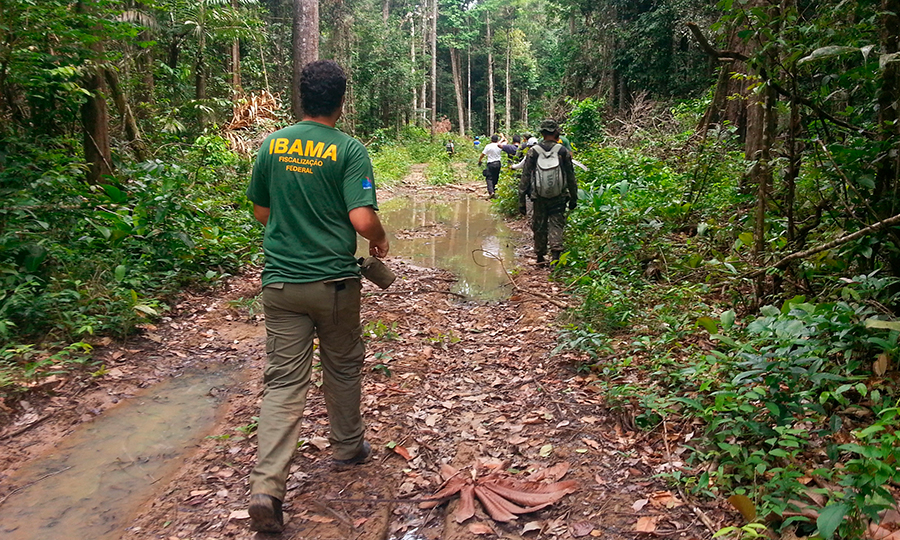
(265,514)
(556,255)
(360,456)
(541,259)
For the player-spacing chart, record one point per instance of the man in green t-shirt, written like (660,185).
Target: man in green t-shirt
(312,187)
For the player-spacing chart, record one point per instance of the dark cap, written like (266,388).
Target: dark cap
(549,126)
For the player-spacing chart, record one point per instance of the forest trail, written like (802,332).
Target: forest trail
(470,384)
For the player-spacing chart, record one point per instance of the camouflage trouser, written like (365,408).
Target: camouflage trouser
(547,222)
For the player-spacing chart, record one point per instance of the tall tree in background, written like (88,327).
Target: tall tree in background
(434,89)
(94,112)
(305,45)
(490,73)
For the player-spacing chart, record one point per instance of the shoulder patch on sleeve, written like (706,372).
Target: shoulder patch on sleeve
(367,183)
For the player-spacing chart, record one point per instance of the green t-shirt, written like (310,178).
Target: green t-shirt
(310,176)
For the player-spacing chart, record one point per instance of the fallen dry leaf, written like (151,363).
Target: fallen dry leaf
(499,493)
(402,452)
(639,504)
(480,528)
(582,528)
(664,499)
(646,524)
(238,515)
(532,526)
(315,518)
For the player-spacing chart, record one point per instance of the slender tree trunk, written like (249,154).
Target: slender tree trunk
(95,117)
(132,131)
(458,90)
(423,96)
(235,58)
(434,16)
(490,66)
(887,176)
(508,112)
(305,46)
(525,107)
(469,86)
(412,63)
(144,65)
(200,69)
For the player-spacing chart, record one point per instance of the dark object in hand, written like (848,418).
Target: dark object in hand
(523,210)
(572,205)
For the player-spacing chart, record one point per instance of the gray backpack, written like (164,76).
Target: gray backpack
(548,176)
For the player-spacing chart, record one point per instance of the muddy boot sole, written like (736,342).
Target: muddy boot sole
(265,514)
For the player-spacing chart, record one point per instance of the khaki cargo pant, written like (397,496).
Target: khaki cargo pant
(295,313)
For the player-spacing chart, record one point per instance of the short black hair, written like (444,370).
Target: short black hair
(495,138)
(517,139)
(322,87)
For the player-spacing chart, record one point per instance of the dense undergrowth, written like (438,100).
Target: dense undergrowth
(82,262)
(785,408)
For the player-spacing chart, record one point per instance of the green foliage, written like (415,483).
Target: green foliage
(382,332)
(391,164)
(585,123)
(78,260)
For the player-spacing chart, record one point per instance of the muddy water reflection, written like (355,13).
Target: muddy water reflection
(111,466)
(445,233)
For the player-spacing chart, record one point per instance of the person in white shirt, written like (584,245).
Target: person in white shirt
(493,152)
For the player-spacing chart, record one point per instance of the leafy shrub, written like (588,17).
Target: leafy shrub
(391,164)
(78,260)
(585,122)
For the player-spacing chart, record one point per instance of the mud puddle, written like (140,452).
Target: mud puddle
(96,479)
(461,236)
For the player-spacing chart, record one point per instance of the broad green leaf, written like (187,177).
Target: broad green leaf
(727,319)
(829,519)
(827,52)
(883,325)
(120,272)
(744,505)
(709,324)
(145,309)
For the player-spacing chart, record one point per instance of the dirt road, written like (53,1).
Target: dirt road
(447,381)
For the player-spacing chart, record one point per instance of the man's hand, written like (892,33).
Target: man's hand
(379,249)
(573,204)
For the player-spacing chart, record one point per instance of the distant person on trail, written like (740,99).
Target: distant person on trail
(548,179)
(312,187)
(512,149)
(449,147)
(476,143)
(492,172)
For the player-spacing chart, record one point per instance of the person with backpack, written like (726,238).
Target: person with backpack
(548,179)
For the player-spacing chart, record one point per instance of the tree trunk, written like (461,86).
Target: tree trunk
(385,10)
(412,63)
(304,46)
(888,169)
(469,87)
(95,117)
(144,65)
(423,96)
(457,87)
(132,131)
(507,117)
(490,66)
(235,58)
(434,16)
